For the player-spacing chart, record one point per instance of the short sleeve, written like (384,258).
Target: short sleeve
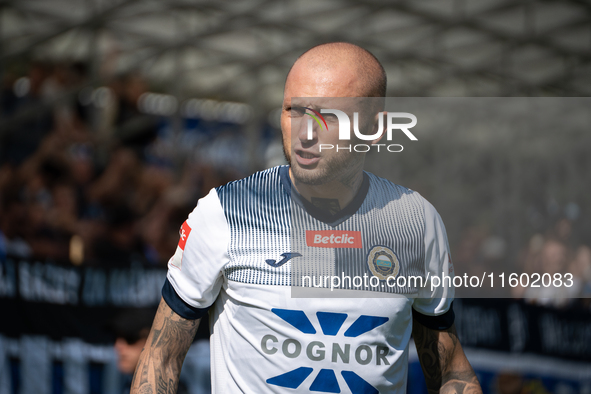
(195,276)
(434,300)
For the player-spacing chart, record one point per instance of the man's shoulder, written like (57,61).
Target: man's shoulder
(409,199)
(402,200)
(260,185)
(259,180)
(390,190)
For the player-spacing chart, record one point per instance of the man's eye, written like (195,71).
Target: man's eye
(297,111)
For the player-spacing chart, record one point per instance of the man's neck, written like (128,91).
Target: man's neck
(332,196)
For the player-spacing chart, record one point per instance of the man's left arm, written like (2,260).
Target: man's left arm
(444,364)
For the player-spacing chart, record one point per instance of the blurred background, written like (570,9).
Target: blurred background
(116,116)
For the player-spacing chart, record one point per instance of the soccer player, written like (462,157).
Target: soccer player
(239,247)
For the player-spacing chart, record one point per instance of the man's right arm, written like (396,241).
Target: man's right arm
(159,367)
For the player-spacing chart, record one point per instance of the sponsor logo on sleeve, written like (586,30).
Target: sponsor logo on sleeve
(177,259)
(334,239)
(184,234)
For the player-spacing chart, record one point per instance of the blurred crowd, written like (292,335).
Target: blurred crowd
(554,252)
(79,180)
(88,178)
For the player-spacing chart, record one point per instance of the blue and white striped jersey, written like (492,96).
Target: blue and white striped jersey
(266,263)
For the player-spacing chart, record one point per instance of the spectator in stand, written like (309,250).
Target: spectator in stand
(580,267)
(552,260)
(13,219)
(119,245)
(35,119)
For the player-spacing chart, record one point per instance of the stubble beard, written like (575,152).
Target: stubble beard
(329,169)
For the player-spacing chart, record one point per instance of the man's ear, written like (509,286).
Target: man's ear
(379,118)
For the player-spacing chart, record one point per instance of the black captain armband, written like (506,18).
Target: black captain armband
(440,322)
(177,304)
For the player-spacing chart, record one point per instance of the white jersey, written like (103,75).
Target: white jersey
(249,245)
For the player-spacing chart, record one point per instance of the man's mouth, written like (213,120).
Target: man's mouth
(305,158)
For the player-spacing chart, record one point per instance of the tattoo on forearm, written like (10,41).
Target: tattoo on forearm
(166,387)
(444,371)
(465,382)
(156,336)
(146,389)
(161,361)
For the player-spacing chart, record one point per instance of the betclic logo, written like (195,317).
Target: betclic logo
(333,239)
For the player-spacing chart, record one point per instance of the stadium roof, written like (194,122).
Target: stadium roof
(242,50)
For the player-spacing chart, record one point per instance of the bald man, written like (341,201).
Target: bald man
(255,254)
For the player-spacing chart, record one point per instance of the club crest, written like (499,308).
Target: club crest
(383,262)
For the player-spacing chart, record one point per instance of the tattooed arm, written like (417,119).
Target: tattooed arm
(444,363)
(159,367)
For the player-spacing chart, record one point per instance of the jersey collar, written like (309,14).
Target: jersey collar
(319,214)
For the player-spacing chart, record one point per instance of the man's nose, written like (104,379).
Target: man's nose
(307,131)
